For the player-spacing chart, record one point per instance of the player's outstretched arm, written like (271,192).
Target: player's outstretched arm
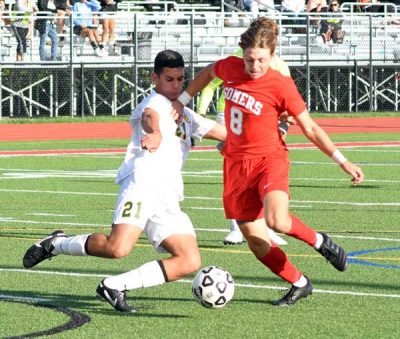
(320,139)
(217,132)
(201,80)
(150,123)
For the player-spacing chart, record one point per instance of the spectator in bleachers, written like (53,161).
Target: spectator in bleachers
(63,9)
(83,24)
(20,24)
(108,23)
(294,8)
(254,6)
(45,27)
(377,6)
(229,5)
(331,28)
(316,6)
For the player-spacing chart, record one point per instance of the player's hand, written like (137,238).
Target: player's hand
(285,117)
(151,141)
(177,105)
(354,171)
(174,114)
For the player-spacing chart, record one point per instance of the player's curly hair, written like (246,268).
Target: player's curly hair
(262,33)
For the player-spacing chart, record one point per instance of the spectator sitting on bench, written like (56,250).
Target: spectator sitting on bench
(83,24)
(108,22)
(331,28)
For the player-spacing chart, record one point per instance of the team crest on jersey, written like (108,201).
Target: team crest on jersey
(243,99)
(186,117)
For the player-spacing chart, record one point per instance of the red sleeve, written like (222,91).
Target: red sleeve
(220,68)
(291,100)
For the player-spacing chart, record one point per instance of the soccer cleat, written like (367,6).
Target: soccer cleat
(333,253)
(234,238)
(41,250)
(115,298)
(295,294)
(275,237)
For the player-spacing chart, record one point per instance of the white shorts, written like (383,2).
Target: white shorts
(156,212)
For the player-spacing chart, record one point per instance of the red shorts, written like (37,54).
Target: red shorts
(247,181)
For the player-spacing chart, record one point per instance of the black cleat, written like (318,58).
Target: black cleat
(41,250)
(115,298)
(333,253)
(295,294)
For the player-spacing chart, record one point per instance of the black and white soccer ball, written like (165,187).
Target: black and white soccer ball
(213,287)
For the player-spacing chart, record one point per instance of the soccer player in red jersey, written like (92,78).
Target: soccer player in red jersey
(256,164)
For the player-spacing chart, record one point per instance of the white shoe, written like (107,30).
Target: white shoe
(234,238)
(98,52)
(103,52)
(275,237)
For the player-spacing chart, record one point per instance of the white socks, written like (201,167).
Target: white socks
(233,225)
(70,245)
(301,282)
(147,275)
(320,240)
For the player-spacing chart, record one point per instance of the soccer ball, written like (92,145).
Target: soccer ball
(213,287)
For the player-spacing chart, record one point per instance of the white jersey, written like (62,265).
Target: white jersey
(160,170)
(193,125)
(151,183)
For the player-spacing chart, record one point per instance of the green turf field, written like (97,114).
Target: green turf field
(39,194)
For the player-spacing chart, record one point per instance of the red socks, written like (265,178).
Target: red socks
(302,232)
(278,262)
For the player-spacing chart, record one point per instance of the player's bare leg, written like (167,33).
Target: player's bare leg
(185,259)
(116,245)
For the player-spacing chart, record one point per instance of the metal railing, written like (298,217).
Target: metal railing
(361,73)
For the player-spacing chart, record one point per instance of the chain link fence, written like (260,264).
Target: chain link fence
(361,72)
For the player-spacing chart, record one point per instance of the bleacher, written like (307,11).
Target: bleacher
(200,33)
(198,29)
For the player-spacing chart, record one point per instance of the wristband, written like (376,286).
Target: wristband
(338,157)
(184,98)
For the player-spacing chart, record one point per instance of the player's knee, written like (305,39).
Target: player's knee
(258,246)
(118,252)
(191,263)
(279,224)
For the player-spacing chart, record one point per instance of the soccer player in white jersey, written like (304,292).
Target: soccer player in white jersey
(151,188)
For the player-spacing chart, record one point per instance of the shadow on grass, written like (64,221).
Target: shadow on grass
(85,303)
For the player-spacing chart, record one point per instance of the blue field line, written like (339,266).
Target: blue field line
(353,260)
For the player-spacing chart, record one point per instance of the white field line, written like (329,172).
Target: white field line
(332,163)
(269,287)
(197,229)
(23,299)
(51,215)
(349,203)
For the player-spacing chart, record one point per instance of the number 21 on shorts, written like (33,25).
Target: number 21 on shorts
(132,207)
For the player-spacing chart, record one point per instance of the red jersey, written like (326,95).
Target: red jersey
(252,108)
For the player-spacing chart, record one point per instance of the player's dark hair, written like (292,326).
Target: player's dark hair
(167,58)
(262,33)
